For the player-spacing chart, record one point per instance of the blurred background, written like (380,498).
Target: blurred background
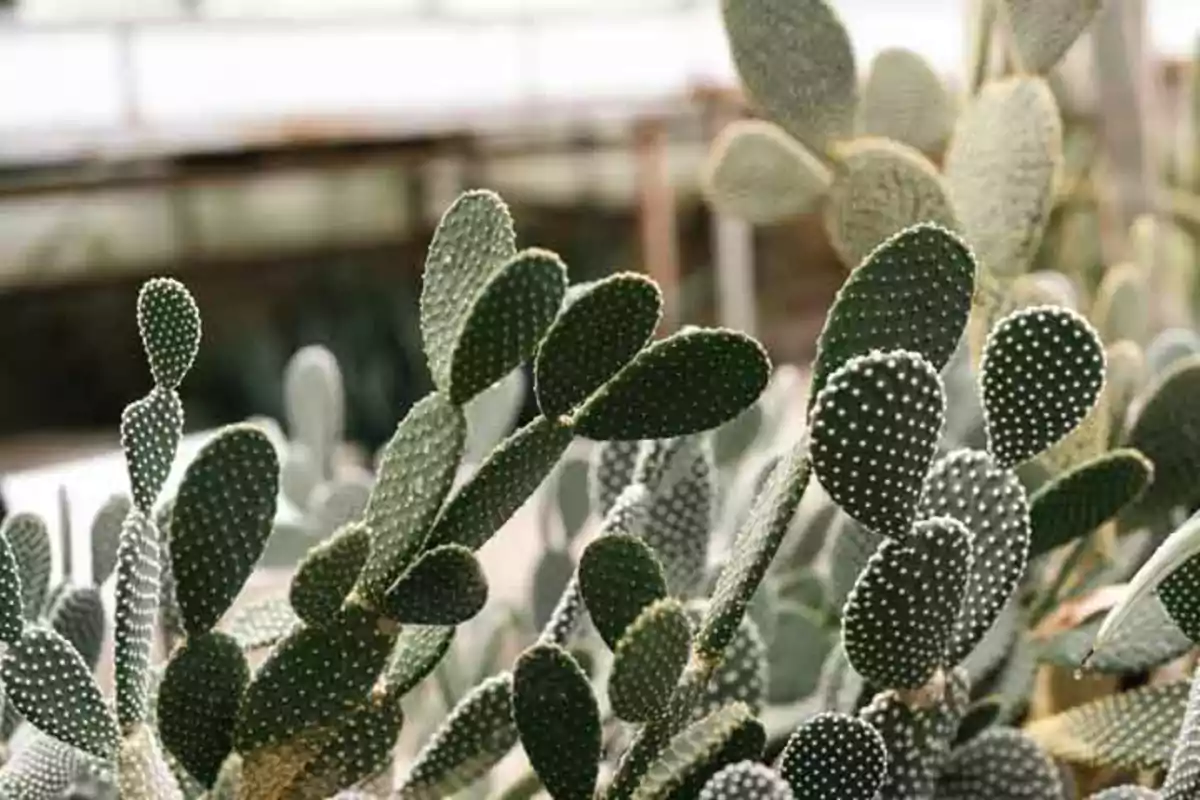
(289,158)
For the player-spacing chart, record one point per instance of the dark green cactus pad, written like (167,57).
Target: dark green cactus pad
(29,539)
(445,586)
(77,614)
(990,503)
(169,324)
(742,674)
(1031,401)
(1001,763)
(417,652)
(1183,775)
(150,431)
(261,624)
(1134,730)
(1167,431)
(680,520)
(478,732)
(1043,32)
(49,684)
(746,780)
(693,750)
(220,522)
(311,677)
(913,292)
(746,744)
(137,601)
(648,660)
(506,321)
(473,241)
(796,63)
(558,721)
(619,576)
(689,382)
(598,332)
(1077,502)
(981,716)
(328,572)
(899,618)
(875,427)
(43,769)
(834,755)
(106,536)
(11,614)
(198,700)
(501,485)
(917,738)
(417,470)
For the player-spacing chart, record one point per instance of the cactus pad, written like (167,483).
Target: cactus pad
(220,522)
(169,324)
(1128,792)
(834,755)
(139,572)
(328,573)
(501,485)
(881,187)
(1041,374)
(900,616)
(142,768)
(875,426)
(757,172)
(150,431)
(77,613)
(689,382)
(610,471)
(692,750)
(595,335)
(315,404)
(1076,503)
(1043,30)
(478,733)
(417,652)
(912,292)
(48,682)
(558,721)
(679,520)
(11,614)
(473,241)
(619,576)
(990,503)
(1167,431)
(506,321)
(1183,775)
(1000,763)
(742,674)
(29,539)
(261,624)
(415,474)
(43,769)
(198,703)
(648,660)
(106,536)
(917,739)
(796,63)
(746,780)
(903,99)
(444,586)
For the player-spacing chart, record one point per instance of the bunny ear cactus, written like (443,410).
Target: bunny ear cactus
(834,754)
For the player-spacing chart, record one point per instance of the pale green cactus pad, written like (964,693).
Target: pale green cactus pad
(903,99)
(913,292)
(1031,400)
(619,576)
(692,751)
(598,332)
(77,613)
(741,676)
(875,426)
(220,522)
(1166,432)
(415,474)
(1000,763)
(648,660)
(417,652)
(1147,639)
(501,485)
(478,732)
(1183,774)
(680,518)
(150,431)
(506,321)
(1122,309)
(917,739)
(328,572)
(755,171)
(139,572)
(796,63)
(12,618)
(1077,502)
(1043,30)
(834,755)
(198,700)
(47,681)
(444,586)
(1134,730)
(689,382)
(43,769)
(169,324)
(558,721)
(473,241)
(900,616)
(315,405)
(746,780)
(610,471)
(881,187)
(1126,793)
(990,503)
(29,539)
(106,536)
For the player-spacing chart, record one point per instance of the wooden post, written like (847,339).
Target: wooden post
(656,212)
